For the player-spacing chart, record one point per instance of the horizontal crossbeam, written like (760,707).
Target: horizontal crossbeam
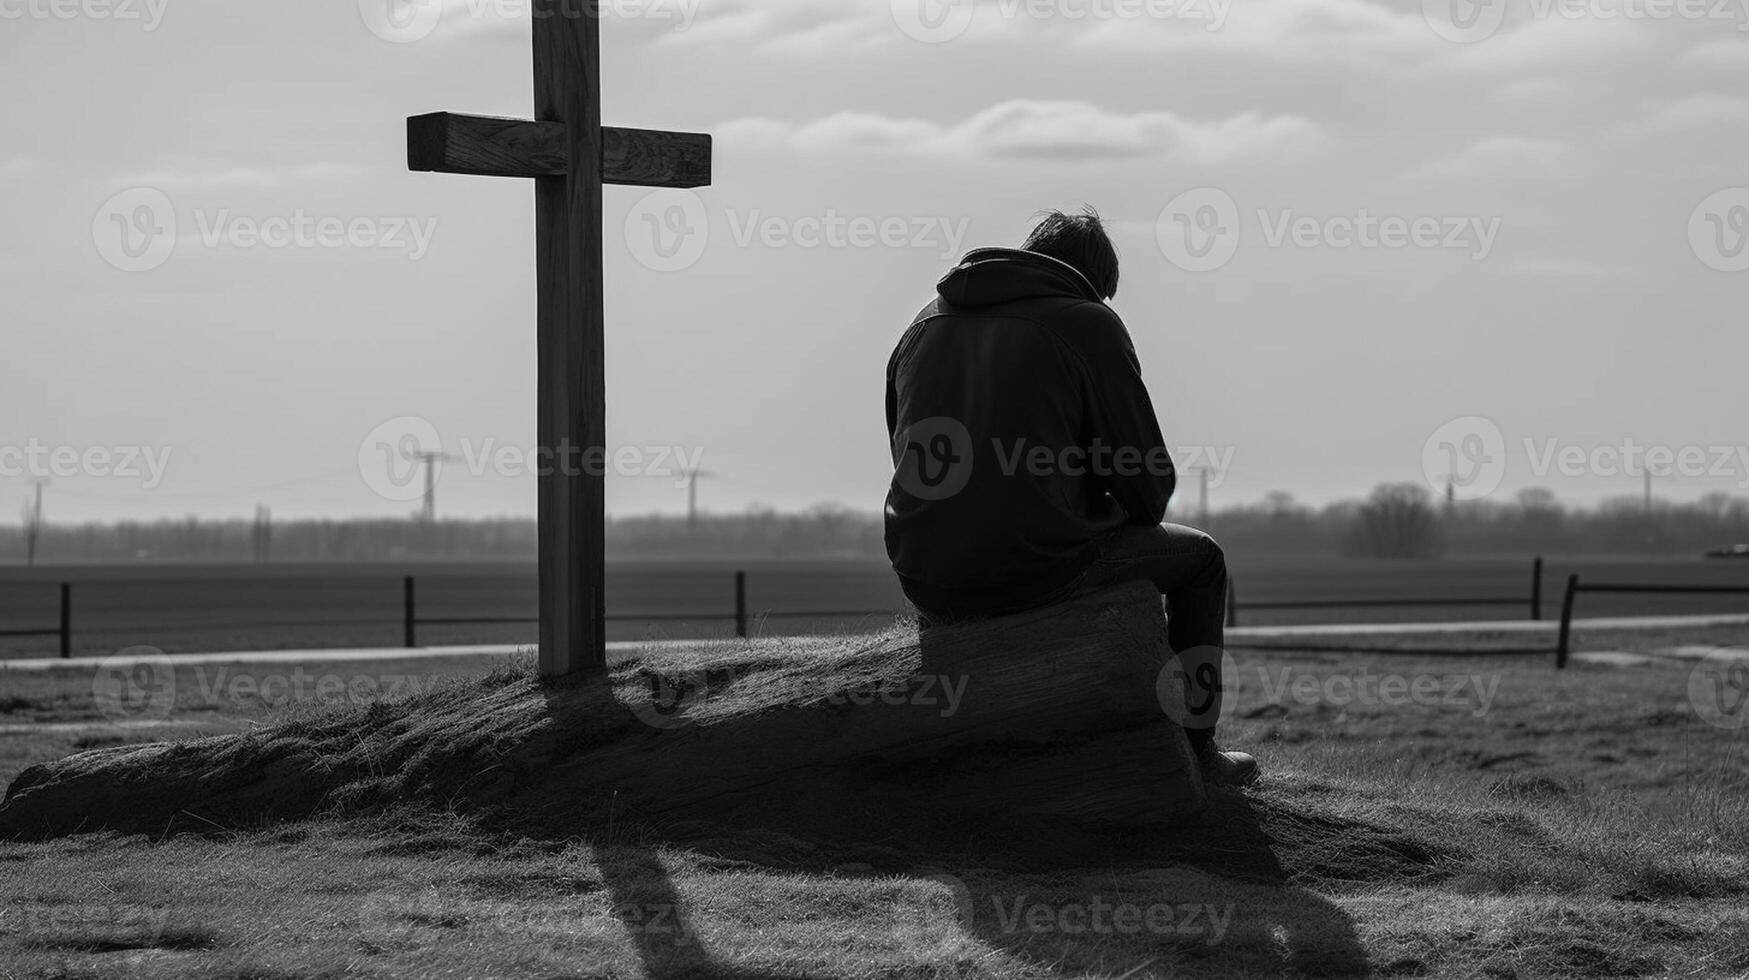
(448,142)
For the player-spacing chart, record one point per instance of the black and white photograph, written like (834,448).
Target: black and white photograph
(874,489)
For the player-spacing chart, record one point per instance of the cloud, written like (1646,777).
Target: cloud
(1343,31)
(1536,88)
(1726,53)
(1027,129)
(793,28)
(1561,268)
(1496,156)
(183,171)
(16,167)
(1707,109)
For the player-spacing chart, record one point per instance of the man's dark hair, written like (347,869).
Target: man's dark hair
(1079,240)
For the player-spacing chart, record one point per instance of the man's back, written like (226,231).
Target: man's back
(1021,432)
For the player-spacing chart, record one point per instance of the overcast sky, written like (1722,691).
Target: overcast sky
(1530,221)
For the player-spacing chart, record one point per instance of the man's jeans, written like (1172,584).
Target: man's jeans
(1189,569)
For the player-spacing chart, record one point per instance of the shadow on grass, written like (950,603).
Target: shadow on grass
(1212,892)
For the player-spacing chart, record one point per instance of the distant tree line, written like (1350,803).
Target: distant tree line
(1398,520)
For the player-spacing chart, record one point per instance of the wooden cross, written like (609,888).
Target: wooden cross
(570,155)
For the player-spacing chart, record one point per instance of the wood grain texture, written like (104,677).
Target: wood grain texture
(654,158)
(571,379)
(493,146)
(448,142)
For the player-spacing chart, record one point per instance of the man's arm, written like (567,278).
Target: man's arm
(1122,419)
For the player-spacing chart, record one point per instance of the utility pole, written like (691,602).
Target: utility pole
(263,533)
(692,476)
(1648,474)
(33,524)
(1203,495)
(1203,504)
(428,513)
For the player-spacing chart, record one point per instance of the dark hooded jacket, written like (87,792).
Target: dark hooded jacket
(1021,433)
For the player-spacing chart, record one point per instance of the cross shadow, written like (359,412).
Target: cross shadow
(646,902)
(1226,862)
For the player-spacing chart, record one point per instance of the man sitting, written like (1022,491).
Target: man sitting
(1029,467)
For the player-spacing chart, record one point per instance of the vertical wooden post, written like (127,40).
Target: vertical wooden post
(1232,603)
(1536,588)
(571,379)
(741,604)
(66,620)
(408,621)
(1566,622)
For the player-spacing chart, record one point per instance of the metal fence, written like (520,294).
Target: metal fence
(1574,587)
(741,615)
(1535,599)
(64,630)
(411,620)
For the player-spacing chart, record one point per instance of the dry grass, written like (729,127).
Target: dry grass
(1580,824)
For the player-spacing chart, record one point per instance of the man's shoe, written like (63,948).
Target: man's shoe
(1226,768)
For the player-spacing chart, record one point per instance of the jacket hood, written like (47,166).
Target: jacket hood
(988,276)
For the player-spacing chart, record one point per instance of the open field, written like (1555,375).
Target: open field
(1507,822)
(195,607)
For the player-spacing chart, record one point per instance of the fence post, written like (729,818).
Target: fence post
(66,620)
(1232,603)
(1536,588)
(741,604)
(407,620)
(1566,621)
